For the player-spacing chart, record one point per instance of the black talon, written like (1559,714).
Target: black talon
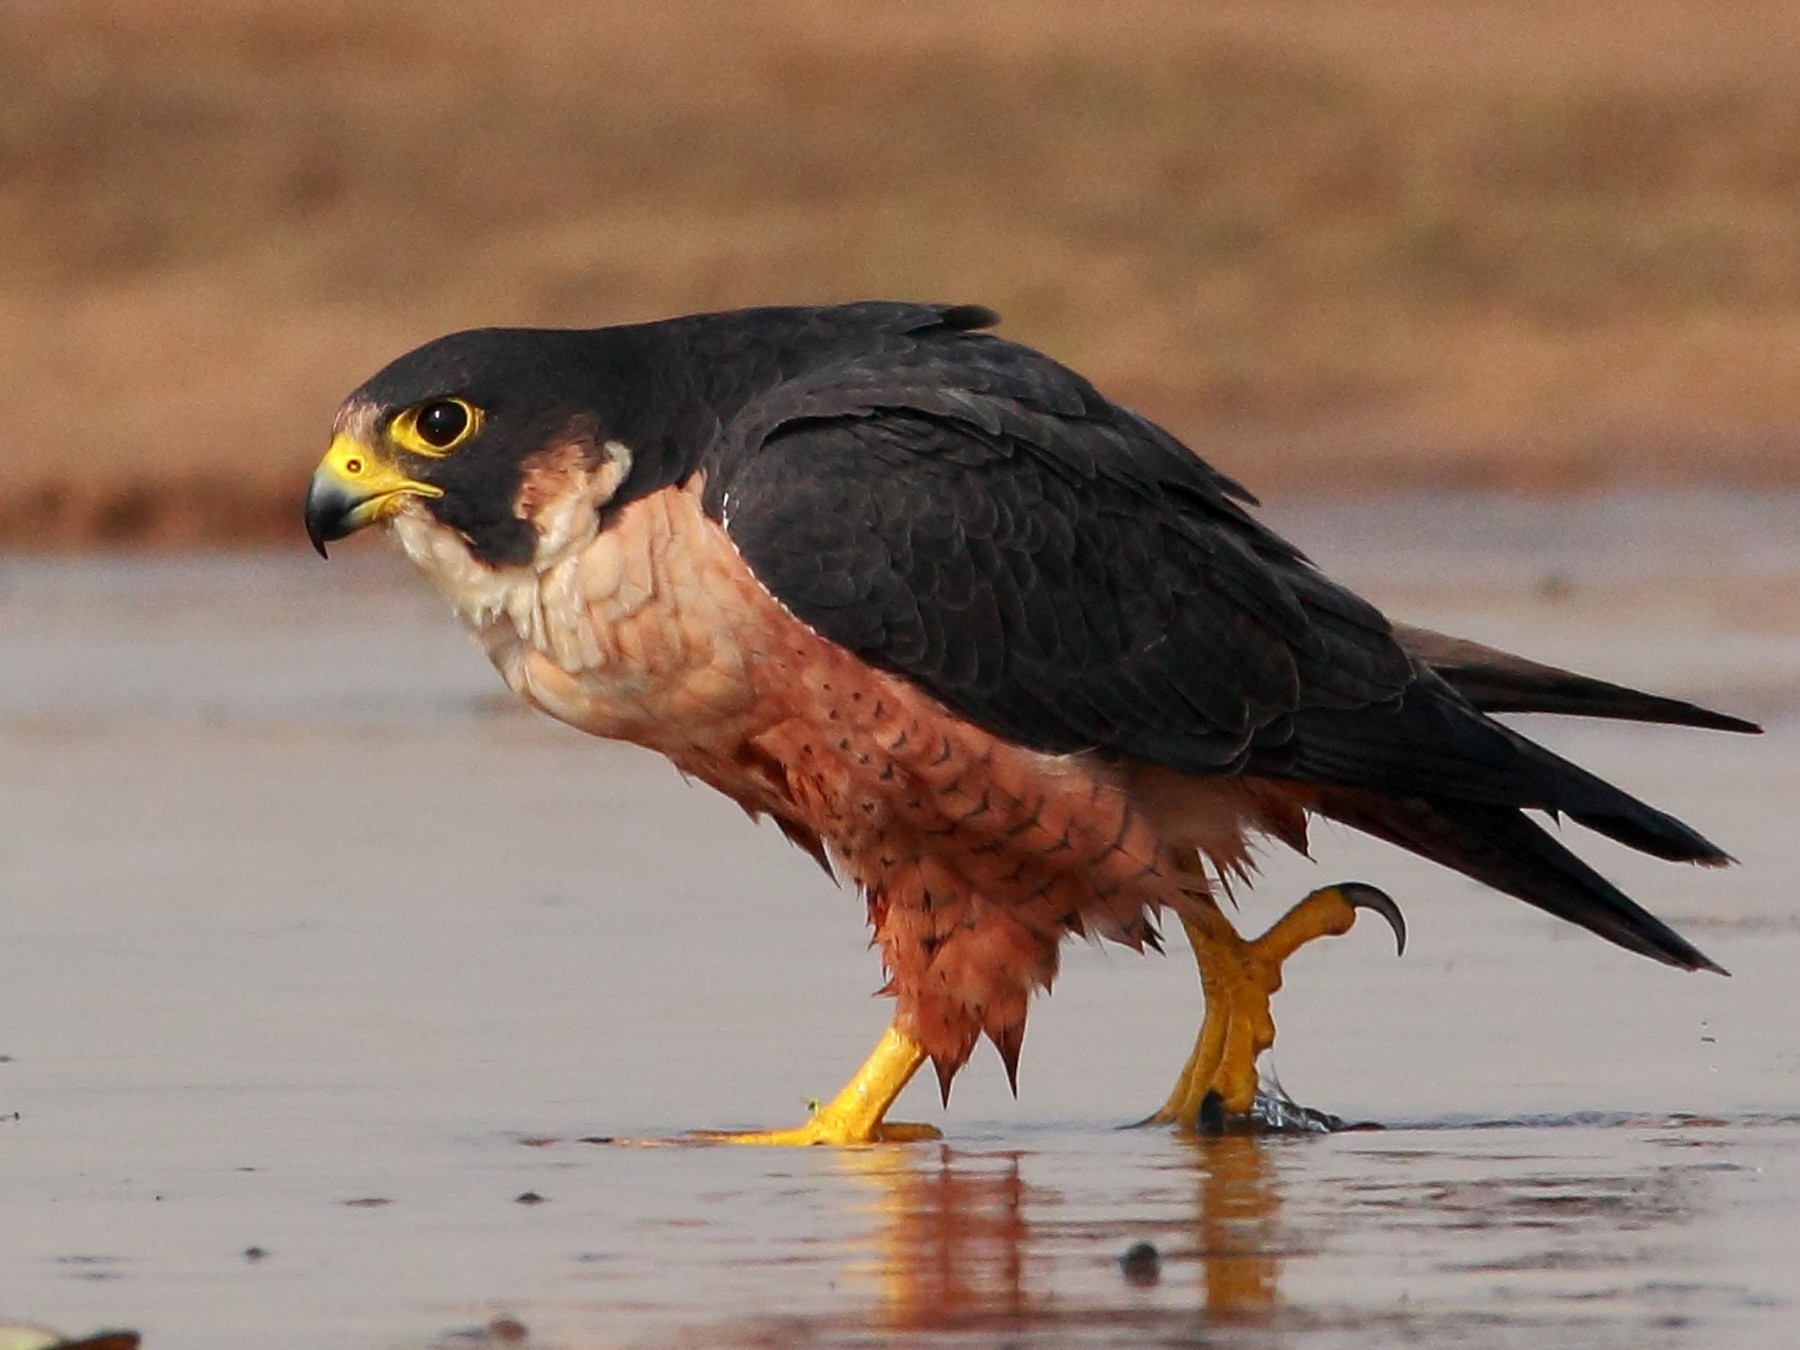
(1359,895)
(1210,1121)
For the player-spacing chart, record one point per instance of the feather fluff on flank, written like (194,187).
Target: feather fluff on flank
(1219,819)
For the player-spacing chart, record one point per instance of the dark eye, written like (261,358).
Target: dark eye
(441,424)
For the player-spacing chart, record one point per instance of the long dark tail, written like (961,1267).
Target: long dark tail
(1503,848)
(1497,681)
(1436,777)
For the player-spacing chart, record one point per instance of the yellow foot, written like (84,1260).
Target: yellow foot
(854,1116)
(1237,978)
(820,1130)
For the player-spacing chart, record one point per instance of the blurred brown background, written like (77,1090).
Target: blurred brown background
(1334,244)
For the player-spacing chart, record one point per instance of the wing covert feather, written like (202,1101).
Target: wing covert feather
(1046,564)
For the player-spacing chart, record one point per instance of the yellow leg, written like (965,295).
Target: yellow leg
(854,1116)
(1237,978)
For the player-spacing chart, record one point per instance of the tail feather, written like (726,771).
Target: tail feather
(1662,836)
(1436,746)
(1497,681)
(1501,847)
(1435,774)
(1590,800)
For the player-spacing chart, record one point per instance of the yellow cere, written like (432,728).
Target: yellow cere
(371,478)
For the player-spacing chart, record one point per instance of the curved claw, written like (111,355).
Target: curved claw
(1361,895)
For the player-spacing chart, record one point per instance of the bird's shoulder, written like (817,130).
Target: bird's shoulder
(974,515)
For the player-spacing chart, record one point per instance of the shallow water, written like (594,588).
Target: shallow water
(312,945)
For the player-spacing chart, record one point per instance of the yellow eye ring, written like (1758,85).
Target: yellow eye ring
(435,427)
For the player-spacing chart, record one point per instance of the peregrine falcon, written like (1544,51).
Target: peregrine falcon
(1008,656)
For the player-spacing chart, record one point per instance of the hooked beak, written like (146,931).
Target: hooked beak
(354,487)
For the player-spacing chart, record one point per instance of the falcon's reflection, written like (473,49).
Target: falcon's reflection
(1238,1224)
(968,1238)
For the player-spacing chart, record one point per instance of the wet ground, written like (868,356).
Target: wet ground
(318,963)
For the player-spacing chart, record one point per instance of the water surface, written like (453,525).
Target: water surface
(313,948)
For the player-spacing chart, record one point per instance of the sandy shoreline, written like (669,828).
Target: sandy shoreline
(1370,244)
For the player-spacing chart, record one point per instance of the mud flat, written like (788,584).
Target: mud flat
(318,964)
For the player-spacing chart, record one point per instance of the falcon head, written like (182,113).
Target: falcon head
(495,435)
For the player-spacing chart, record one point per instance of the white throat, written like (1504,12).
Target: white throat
(505,606)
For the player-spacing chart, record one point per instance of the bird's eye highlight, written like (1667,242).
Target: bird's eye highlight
(442,424)
(437,427)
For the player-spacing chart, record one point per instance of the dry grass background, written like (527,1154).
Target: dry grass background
(1331,242)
